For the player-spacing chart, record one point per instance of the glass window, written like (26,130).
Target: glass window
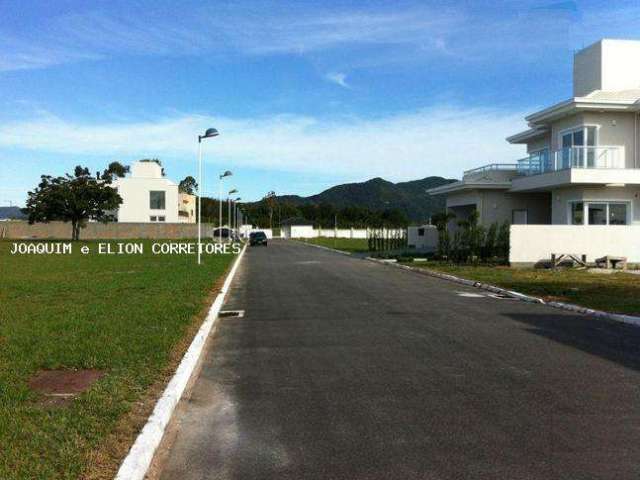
(161,219)
(617,214)
(153,219)
(577,213)
(157,200)
(421,232)
(597,213)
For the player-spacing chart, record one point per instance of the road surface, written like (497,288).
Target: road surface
(346,369)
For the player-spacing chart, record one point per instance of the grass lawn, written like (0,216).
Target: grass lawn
(351,245)
(131,316)
(618,292)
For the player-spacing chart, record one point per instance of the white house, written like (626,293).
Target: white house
(147,195)
(583,154)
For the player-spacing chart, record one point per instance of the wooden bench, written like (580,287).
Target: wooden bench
(609,261)
(558,258)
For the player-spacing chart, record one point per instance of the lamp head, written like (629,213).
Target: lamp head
(227,173)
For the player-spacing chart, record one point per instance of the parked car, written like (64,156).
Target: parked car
(257,238)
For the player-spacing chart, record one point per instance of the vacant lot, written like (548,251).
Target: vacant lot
(127,317)
(618,292)
(351,245)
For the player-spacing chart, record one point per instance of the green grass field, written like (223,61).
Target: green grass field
(618,292)
(130,316)
(351,245)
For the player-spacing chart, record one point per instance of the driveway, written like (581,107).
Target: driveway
(345,369)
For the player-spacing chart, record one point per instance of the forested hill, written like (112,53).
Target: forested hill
(378,194)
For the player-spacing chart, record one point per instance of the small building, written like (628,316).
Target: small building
(147,195)
(297,228)
(422,237)
(186,208)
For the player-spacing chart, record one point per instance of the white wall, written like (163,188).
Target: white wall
(135,199)
(307,231)
(607,65)
(534,243)
(428,241)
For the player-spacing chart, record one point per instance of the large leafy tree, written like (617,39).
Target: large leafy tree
(188,185)
(73,198)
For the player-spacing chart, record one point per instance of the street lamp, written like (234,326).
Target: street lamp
(227,173)
(231,192)
(209,133)
(235,213)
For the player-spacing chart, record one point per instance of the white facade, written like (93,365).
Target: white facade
(533,244)
(147,196)
(583,155)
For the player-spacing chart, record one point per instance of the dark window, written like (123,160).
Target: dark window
(153,219)
(421,232)
(161,219)
(157,200)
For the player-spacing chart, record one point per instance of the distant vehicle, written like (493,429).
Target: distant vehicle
(225,233)
(257,238)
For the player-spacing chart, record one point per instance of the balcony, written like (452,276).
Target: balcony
(602,165)
(602,157)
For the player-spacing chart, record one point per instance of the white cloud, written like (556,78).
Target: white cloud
(433,141)
(363,36)
(338,78)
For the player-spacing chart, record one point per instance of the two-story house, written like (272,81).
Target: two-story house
(583,160)
(147,195)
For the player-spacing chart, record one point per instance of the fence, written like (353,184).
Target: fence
(534,244)
(96,230)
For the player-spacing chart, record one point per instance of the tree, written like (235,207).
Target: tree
(441,221)
(115,169)
(73,198)
(188,185)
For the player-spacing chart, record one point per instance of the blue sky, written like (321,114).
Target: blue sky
(305,94)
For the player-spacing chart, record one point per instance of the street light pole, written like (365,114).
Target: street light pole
(227,173)
(209,133)
(229,219)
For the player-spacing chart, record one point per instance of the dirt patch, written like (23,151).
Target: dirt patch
(60,386)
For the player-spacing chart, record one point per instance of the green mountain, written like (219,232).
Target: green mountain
(378,194)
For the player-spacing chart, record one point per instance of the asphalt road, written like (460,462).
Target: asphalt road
(346,369)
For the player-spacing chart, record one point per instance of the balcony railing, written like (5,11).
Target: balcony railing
(492,167)
(571,157)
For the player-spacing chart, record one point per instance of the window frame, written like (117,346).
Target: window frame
(164,202)
(607,202)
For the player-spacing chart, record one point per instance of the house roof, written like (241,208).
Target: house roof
(527,135)
(622,100)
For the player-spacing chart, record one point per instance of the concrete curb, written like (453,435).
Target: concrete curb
(616,317)
(138,460)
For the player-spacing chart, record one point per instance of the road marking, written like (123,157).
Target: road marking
(231,313)
(469,295)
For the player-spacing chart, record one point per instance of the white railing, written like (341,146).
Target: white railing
(589,157)
(607,157)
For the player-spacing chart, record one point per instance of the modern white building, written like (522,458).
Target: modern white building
(147,195)
(583,154)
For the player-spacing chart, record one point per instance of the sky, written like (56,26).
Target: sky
(305,94)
